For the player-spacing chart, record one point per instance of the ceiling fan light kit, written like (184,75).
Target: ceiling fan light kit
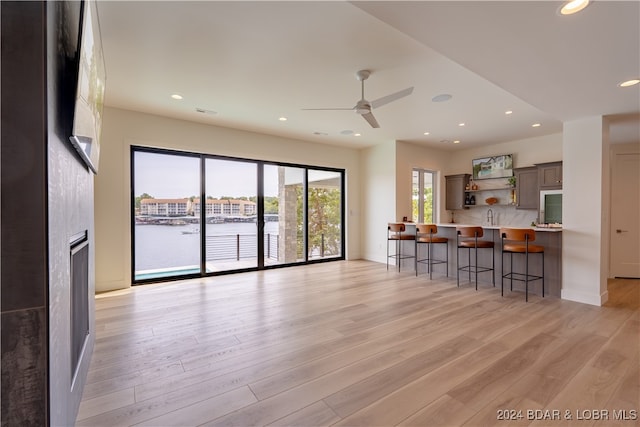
(364,107)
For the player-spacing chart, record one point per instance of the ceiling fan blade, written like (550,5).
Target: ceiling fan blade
(390,98)
(326,109)
(372,120)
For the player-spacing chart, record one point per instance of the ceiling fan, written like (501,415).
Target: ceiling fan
(364,107)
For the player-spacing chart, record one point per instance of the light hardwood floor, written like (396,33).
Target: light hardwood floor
(352,344)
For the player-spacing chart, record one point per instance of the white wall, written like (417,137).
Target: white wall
(378,178)
(585,247)
(410,156)
(122,128)
(526,152)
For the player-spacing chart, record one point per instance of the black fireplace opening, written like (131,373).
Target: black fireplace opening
(79,249)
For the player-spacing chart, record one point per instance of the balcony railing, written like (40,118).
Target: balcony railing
(243,246)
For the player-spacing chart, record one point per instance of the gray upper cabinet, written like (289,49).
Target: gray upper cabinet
(527,193)
(550,175)
(455,191)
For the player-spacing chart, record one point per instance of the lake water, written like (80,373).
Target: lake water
(165,246)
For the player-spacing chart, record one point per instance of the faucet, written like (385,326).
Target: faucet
(490,216)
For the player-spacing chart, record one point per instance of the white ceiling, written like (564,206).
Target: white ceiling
(253,62)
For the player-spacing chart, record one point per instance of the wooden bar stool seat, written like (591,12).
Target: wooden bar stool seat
(468,238)
(518,241)
(397,232)
(426,235)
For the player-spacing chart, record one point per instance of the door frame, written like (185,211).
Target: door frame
(259,210)
(616,150)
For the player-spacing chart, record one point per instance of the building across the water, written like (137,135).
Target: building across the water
(187,206)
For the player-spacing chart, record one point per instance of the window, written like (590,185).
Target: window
(196,214)
(424,196)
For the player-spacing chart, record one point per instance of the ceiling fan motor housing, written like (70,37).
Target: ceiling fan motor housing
(363,75)
(363,107)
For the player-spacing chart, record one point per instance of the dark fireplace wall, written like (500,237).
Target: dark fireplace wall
(47,197)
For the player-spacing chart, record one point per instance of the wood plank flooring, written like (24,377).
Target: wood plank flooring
(351,344)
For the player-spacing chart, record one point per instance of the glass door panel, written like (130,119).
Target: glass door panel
(324,214)
(230,215)
(166,231)
(283,214)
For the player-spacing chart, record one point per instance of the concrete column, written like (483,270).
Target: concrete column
(287,219)
(585,246)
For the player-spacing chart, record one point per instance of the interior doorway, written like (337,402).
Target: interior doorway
(625,212)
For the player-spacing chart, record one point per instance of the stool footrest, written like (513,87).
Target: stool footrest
(521,277)
(401,256)
(433,261)
(474,269)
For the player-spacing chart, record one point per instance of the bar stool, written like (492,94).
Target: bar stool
(425,235)
(396,231)
(471,235)
(517,241)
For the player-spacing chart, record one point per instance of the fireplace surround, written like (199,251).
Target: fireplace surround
(79,289)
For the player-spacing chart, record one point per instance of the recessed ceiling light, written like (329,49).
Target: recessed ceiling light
(444,140)
(346,132)
(356,134)
(508,112)
(535,125)
(574,6)
(426,133)
(283,119)
(628,83)
(460,124)
(176,96)
(456,142)
(441,98)
(321,133)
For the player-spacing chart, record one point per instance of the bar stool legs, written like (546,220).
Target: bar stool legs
(471,235)
(518,241)
(396,232)
(425,235)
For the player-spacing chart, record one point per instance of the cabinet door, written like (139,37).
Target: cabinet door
(550,176)
(527,192)
(455,191)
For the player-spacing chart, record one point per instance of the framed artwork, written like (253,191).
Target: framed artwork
(493,167)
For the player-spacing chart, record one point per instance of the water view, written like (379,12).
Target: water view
(177,246)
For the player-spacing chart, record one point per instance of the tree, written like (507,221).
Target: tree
(428,204)
(324,220)
(271,205)
(142,196)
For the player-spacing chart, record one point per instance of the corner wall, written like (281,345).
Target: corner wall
(123,128)
(585,235)
(25,398)
(47,197)
(379,203)
(70,212)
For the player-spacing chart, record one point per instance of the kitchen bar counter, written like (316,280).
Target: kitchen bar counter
(550,238)
(498,227)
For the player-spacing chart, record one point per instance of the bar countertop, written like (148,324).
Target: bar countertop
(498,227)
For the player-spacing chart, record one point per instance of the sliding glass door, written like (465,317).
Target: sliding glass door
(283,214)
(231,232)
(166,222)
(197,214)
(324,200)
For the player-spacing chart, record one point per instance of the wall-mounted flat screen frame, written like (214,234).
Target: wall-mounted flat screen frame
(87,118)
(493,167)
